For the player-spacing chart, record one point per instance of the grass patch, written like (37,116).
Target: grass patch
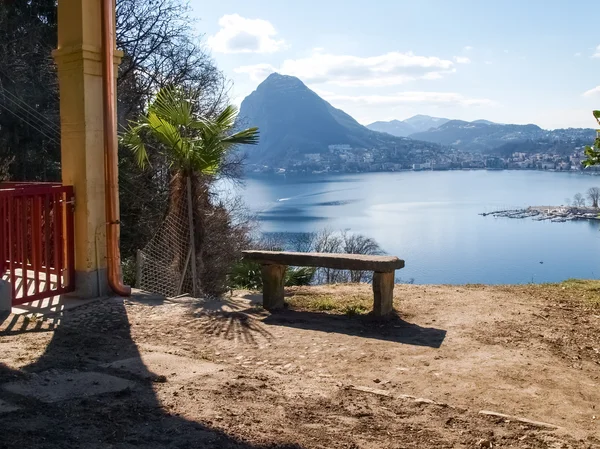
(332,302)
(587,291)
(582,284)
(355,309)
(324,303)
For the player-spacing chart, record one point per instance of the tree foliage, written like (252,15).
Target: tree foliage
(161,48)
(578,200)
(593,195)
(29,119)
(593,152)
(190,142)
(193,146)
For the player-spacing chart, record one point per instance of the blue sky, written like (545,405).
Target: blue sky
(525,61)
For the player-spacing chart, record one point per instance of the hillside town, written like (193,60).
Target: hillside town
(346,159)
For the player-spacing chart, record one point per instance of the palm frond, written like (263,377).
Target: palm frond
(191,143)
(248,136)
(166,133)
(132,140)
(226,119)
(173,105)
(207,155)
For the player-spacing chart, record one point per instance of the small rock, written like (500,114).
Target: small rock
(377,381)
(484,443)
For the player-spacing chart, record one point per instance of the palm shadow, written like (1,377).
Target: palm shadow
(87,340)
(393,329)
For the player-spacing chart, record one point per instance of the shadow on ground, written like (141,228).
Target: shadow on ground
(244,320)
(86,341)
(394,329)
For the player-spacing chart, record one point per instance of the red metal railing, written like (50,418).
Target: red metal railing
(36,240)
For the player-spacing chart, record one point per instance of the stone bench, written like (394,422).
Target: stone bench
(274,264)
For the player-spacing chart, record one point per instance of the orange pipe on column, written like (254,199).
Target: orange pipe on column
(111,180)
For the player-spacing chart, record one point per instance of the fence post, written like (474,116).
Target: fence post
(192,239)
(138,269)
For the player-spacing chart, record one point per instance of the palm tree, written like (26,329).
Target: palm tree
(194,147)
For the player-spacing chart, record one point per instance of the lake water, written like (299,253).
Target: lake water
(432,221)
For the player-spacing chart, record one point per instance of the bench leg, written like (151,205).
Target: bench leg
(383,292)
(273,282)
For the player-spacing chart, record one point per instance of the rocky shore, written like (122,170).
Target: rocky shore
(557,214)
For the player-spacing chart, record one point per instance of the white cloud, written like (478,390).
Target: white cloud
(505,51)
(256,72)
(468,48)
(404,98)
(597,52)
(577,55)
(241,35)
(462,60)
(488,62)
(389,69)
(592,92)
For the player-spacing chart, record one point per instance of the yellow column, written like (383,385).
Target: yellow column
(78,58)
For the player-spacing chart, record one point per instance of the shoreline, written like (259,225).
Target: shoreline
(409,170)
(555,214)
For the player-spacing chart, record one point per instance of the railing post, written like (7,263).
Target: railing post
(36,238)
(5,297)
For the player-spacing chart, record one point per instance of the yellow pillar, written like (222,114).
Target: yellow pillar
(79,63)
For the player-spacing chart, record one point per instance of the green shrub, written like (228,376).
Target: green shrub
(128,269)
(299,276)
(247,274)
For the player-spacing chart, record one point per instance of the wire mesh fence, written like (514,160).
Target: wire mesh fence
(164,264)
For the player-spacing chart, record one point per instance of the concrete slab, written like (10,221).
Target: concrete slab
(174,368)
(56,386)
(6,407)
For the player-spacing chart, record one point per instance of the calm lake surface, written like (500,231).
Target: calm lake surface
(430,219)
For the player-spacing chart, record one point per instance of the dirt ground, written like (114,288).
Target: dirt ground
(320,374)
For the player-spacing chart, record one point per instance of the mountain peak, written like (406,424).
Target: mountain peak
(294,121)
(278,80)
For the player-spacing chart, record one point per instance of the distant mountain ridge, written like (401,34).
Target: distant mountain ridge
(294,121)
(297,126)
(484,136)
(404,128)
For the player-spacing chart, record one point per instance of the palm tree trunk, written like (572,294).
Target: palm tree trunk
(191,227)
(201,207)
(176,213)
